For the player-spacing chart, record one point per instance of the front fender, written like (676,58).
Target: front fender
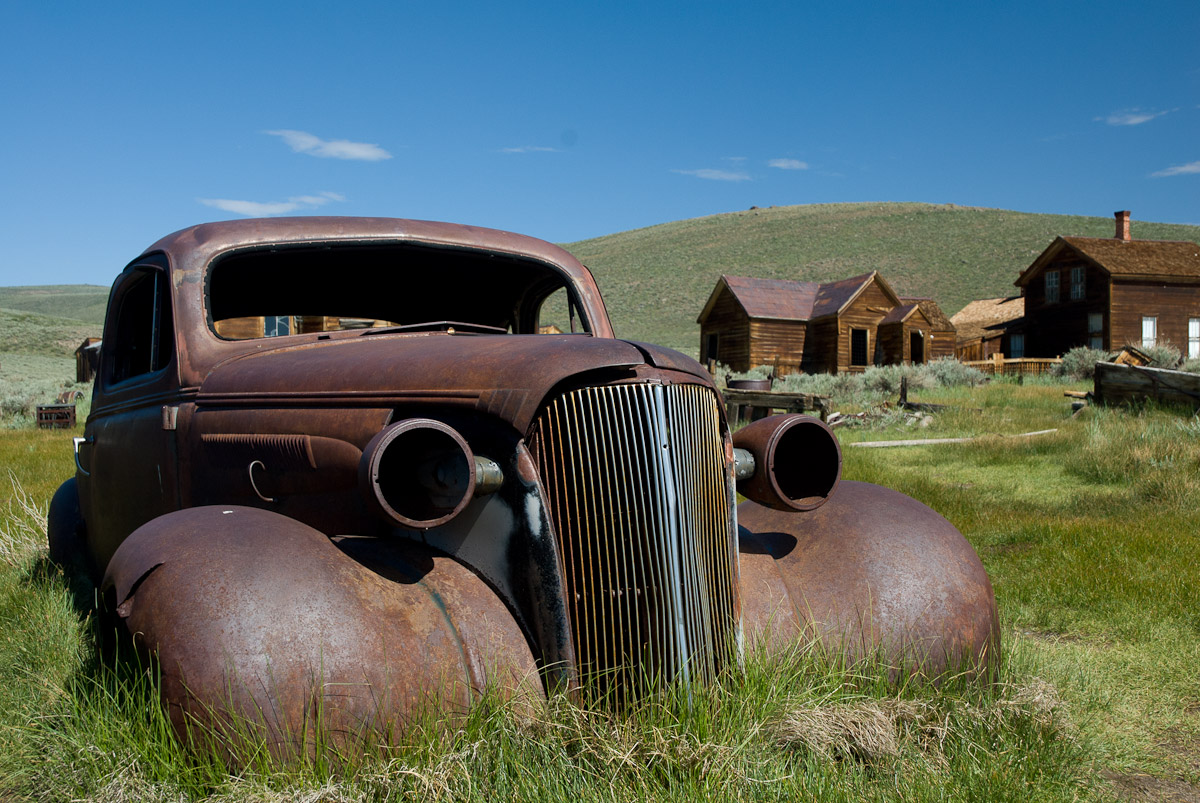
(258,620)
(871,574)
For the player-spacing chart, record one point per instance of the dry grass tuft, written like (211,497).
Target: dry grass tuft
(863,731)
(23,532)
(872,731)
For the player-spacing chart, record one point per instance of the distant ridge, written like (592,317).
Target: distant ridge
(655,280)
(80,302)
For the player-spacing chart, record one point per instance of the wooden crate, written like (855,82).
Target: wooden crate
(56,416)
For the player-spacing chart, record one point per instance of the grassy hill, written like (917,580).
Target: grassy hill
(655,280)
(37,359)
(82,302)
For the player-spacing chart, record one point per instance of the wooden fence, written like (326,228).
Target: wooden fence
(1025,366)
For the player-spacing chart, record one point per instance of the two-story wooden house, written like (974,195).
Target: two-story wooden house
(847,325)
(1109,292)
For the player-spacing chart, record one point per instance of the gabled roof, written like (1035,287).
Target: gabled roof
(987,316)
(834,297)
(766,298)
(899,314)
(933,313)
(781,299)
(1153,259)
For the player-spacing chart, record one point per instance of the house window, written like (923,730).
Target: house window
(276,326)
(1096,330)
(1193,338)
(1016,346)
(1077,280)
(710,347)
(1149,331)
(1051,287)
(858,347)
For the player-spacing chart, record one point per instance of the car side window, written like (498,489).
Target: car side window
(143,330)
(559,314)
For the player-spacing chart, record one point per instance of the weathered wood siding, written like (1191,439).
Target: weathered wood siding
(821,347)
(728,321)
(240,328)
(864,312)
(940,344)
(1172,304)
(1057,327)
(778,343)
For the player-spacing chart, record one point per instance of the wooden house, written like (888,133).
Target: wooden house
(847,325)
(1107,292)
(276,325)
(943,335)
(990,326)
(87,359)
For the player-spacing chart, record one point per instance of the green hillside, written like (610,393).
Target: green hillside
(82,302)
(655,280)
(43,335)
(37,361)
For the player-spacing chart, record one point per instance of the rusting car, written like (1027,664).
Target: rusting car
(347,469)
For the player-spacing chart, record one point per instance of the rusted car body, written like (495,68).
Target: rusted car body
(338,471)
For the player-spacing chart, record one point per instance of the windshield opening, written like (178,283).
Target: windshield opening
(298,290)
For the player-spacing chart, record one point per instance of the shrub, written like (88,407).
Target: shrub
(950,373)
(1079,364)
(1192,366)
(1163,356)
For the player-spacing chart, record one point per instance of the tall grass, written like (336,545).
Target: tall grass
(1090,563)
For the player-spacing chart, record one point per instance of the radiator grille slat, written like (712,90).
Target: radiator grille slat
(635,479)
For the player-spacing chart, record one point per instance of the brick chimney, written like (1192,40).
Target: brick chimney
(1123,225)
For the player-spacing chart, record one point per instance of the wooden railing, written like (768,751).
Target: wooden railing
(998,365)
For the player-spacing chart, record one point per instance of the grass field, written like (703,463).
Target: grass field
(80,302)
(1091,535)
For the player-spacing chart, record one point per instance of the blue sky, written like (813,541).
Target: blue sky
(125,121)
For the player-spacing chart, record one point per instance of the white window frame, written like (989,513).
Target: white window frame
(1149,331)
(1078,278)
(1051,287)
(1193,338)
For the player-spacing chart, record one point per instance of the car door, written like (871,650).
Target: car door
(128,460)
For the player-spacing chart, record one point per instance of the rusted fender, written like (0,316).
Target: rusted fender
(261,621)
(872,573)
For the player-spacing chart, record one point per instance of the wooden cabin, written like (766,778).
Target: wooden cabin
(1108,292)
(943,335)
(990,326)
(841,326)
(87,359)
(252,327)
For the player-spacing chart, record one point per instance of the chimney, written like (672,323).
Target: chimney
(1122,225)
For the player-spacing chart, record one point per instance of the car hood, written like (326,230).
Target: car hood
(505,375)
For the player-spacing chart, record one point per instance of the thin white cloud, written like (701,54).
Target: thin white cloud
(1132,117)
(530,149)
(714,175)
(788,164)
(272,208)
(1179,170)
(304,142)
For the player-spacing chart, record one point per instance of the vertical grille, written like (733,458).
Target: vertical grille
(635,481)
